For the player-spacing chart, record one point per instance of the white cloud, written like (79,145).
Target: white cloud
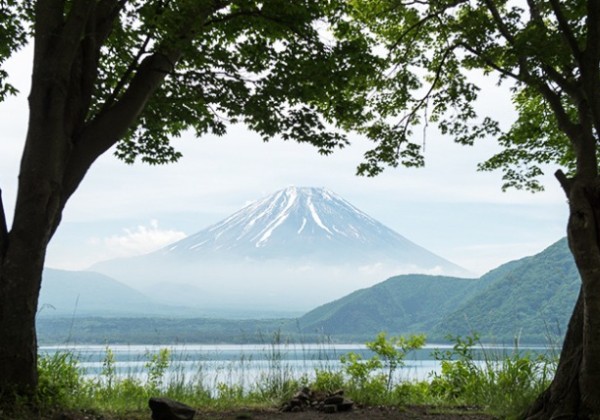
(138,241)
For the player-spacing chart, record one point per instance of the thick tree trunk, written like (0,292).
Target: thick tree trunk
(62,143)
(575,390)
(37,212)
(19,290)
(561,399)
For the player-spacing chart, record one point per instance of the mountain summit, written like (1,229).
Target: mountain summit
(309,224)
(298,246)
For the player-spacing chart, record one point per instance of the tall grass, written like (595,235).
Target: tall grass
(501,384)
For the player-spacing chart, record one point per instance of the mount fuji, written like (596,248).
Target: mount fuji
(292,250)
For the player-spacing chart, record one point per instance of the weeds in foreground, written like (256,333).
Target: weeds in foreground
(469,375)
(504,384)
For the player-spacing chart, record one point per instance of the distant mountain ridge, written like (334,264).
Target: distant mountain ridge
(79,293)
(86,293)
(294,249)
(531,298)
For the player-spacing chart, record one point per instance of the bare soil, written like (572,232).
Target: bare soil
(375,413)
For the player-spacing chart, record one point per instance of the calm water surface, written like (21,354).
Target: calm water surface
(245,365)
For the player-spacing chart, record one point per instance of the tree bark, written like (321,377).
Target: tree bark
(574,391)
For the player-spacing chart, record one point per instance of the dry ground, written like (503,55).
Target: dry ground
(375,413)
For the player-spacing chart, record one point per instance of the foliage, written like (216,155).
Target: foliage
(530,298)
(392,351)
(533,300)
(327,380)
(411,303)
(109,370)
(503,384)
(437,53)
(59,379)
(372,379)
(156,367)
(13,36)
(264,64)
(135,74)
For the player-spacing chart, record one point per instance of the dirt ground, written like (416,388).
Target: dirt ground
(375,413)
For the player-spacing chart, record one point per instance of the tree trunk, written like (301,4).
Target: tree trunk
(62,142)
(37,213)
(575,391)
(19,289)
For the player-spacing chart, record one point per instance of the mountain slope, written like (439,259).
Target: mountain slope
(293,250)
(403,302)
(307,223)
(534,298)
(529,297)
(84,293)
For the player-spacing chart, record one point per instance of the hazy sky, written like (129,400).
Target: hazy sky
(447,207)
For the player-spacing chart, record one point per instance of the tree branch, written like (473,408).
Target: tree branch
(70,37)
(591,61)
(566,83)
(491,63)
(562,117)
(593,31)
(569,87)
(421,102)
(565,30)
(504,30)
(3,229)
(127,74)
(113,123)
(48,17)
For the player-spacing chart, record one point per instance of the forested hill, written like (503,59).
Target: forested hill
(532,298)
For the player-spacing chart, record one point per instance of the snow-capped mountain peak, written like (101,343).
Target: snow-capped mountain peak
(298,247)
(307,223)
(309,213)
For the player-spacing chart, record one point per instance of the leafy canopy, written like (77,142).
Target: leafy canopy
(275,66)
(432,49)
(311,70)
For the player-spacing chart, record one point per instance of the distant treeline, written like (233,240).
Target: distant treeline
(100,330)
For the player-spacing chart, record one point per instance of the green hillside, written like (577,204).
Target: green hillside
(409,302)
(531,297)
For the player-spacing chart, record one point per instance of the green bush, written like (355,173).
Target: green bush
(59,379)
(502,384)
(370,381)
(328,380)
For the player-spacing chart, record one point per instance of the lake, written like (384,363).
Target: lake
(246,365)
